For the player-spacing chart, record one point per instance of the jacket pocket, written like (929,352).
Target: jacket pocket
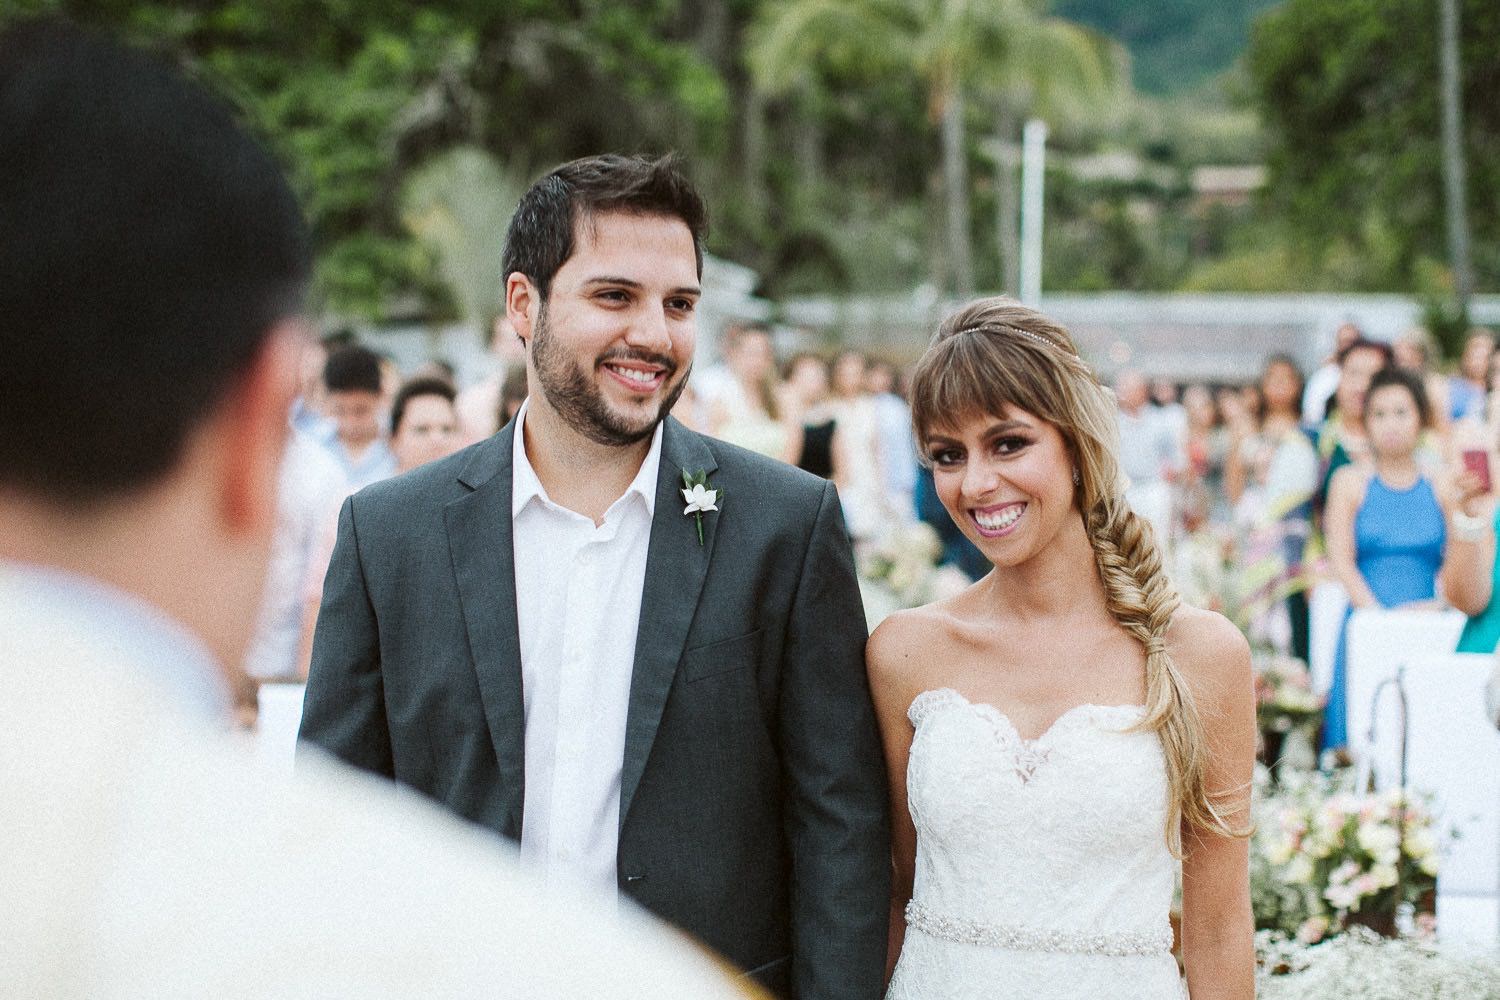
(722,657)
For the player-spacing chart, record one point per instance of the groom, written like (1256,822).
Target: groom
(534,633)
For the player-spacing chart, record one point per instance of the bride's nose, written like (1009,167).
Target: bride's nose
(980,480)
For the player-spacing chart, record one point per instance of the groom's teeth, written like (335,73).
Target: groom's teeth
(994,522)
(635,375)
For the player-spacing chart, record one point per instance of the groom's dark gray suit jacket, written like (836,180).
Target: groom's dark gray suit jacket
(753,796)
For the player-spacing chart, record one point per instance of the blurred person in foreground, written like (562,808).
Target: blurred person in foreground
(657,690)
(144,852)
(424,423)
(1470,576)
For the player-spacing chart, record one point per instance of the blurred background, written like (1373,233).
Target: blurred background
(862,158)
(1212,195)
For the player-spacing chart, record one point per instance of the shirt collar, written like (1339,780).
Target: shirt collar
(158,649)
(525,486)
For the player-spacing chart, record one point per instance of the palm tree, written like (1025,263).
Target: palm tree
(459,205)
(954,46)
(1056,70)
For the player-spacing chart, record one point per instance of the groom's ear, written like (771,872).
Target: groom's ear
(522,304)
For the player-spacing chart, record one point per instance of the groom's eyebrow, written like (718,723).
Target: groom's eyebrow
(608,279)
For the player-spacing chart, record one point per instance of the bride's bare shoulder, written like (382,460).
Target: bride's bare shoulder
(1209,649)
(907,640)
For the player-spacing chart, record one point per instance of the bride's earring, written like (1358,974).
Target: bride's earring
(1076,478)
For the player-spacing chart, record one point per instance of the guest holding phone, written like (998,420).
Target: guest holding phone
(1470,576)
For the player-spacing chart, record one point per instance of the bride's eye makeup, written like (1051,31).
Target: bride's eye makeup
(1009,444)
(944,455)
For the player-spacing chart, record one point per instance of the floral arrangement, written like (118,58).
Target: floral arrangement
(902,558)
(1364,965)
(1325,857)
(1284,698)
(1287,711)
(898,569)
(1214,569)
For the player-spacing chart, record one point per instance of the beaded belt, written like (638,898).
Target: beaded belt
(1021,938)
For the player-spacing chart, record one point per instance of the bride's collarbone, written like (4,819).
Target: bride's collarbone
(1034,683)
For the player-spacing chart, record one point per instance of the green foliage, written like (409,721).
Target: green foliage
(1355,135)
(816,130)
(1176,44)
(459,206)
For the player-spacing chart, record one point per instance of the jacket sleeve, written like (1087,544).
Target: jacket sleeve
(836,815)
(343,711)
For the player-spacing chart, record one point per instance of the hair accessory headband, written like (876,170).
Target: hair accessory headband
(1013,329)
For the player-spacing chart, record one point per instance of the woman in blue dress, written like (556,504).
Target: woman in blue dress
(1384,527)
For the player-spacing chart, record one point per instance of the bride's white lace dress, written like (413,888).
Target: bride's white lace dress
(1042,869)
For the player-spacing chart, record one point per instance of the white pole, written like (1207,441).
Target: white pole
(1033,171)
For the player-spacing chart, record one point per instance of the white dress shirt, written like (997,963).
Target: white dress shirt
(578,608)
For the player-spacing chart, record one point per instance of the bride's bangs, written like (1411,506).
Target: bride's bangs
(977,374)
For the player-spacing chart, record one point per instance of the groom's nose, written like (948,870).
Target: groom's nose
(651,330)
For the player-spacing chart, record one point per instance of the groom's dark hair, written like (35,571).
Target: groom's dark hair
(147,247)
(541,234)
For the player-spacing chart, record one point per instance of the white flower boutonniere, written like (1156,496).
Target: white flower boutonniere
(700,496)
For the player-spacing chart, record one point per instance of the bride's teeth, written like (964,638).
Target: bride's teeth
(1005,520)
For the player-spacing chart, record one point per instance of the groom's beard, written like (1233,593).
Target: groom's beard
(575,394)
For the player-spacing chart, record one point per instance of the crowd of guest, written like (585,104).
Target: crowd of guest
(1370,478)
(1370,473)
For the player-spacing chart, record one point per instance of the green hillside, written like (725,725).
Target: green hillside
(1175,44)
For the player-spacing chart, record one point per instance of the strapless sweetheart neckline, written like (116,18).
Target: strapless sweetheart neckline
(1042,869)
(1007,728)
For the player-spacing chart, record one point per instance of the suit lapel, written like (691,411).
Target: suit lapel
(676,567)
(480,544)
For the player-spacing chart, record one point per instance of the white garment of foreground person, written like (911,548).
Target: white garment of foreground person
(144,854)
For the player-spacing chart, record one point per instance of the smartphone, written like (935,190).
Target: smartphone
(1477,461)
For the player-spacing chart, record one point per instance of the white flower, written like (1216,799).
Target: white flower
(1280,851)
(1300,871)
(1341,896)
(1420,843)
(1313,930)
(1377,838)
(1384,876)
(700,499)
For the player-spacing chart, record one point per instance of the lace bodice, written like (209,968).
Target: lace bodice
(1042,866)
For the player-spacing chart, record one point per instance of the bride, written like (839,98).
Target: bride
(1063,733)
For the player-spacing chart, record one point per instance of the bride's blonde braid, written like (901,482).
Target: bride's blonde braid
(1141,598)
